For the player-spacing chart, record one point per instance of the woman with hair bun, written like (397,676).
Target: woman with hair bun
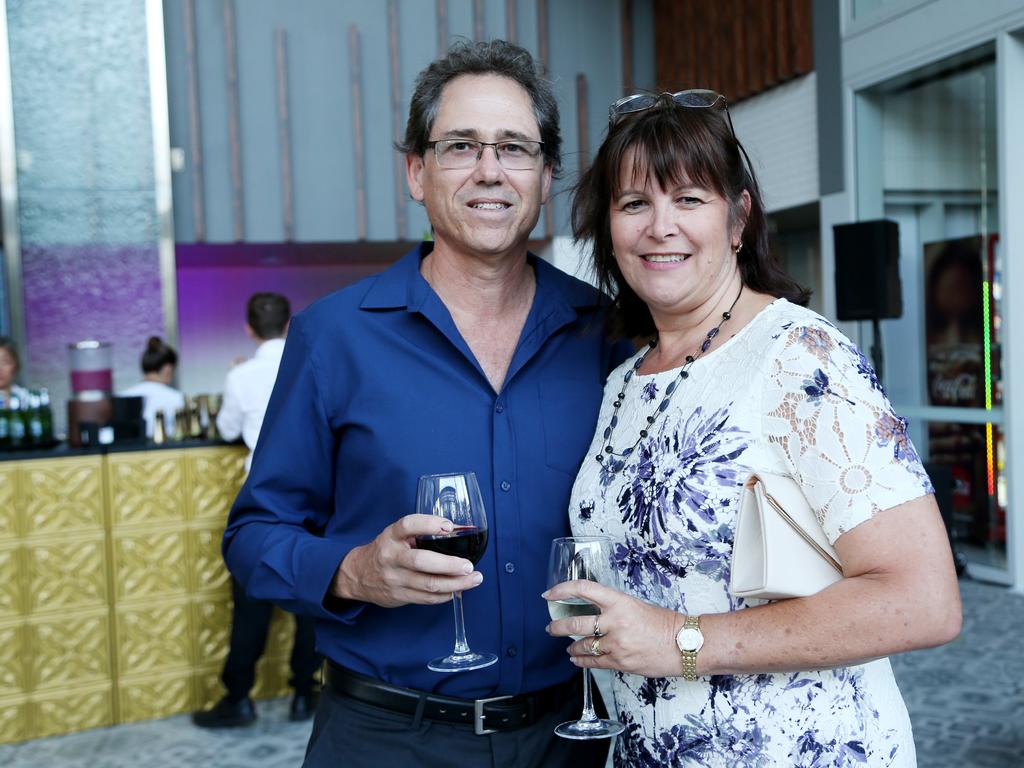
(158,364)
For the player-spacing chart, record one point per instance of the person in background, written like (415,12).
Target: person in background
(246,394)
(158,364)
(10,365)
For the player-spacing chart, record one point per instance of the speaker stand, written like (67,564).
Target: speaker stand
(876,349)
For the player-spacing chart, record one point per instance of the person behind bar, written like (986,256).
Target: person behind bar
(159,362)
(247,391)
(10,364)
(738,379)
(467,354)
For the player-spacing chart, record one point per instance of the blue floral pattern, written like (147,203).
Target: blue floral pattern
(787,394)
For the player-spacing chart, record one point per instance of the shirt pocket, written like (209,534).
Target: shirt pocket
(569,409)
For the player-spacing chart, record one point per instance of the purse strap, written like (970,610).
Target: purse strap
(803,534)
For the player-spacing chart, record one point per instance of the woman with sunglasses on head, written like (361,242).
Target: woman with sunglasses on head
(738,377)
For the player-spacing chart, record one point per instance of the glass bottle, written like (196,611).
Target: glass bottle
(46,415)
(16,421)
(33,420)
(5,424)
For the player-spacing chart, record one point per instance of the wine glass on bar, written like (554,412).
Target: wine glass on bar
(572,558)
(456,496)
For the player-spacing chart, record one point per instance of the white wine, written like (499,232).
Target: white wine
(574,606)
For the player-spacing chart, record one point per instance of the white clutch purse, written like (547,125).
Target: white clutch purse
(780,549)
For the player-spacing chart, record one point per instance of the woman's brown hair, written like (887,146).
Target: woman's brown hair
(673,144)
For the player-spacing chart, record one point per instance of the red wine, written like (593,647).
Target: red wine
(466,541)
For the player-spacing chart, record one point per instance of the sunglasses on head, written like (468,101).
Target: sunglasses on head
(694,98)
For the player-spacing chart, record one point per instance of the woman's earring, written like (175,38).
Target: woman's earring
(738,248)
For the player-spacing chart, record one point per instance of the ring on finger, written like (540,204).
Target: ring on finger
(597,627)
(595,647)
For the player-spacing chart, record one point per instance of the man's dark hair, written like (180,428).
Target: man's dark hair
(673,144)
(157,355)
(495,57)
(268,315)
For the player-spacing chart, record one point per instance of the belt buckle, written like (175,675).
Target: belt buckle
(478,715)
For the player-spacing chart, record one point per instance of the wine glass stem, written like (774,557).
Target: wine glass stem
(461,646)
(588,716)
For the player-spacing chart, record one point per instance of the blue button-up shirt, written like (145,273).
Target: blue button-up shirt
(377,387)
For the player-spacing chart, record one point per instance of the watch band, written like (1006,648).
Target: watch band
(689,658)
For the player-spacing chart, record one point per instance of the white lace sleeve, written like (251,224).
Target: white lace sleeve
(826,416)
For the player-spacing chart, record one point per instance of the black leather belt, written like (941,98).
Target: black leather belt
(497,713)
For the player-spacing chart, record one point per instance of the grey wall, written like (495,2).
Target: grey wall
(584,36)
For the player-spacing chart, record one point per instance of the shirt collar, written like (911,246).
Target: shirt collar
(270,347)
(403,287)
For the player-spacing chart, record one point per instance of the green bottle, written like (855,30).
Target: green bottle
(46,415)
(5,424)
(34,421)
(16,421)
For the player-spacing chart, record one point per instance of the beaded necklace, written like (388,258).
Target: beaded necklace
(615,464)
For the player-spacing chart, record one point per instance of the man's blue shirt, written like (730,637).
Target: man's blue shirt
(377,387)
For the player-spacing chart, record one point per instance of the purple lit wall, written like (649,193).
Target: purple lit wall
(215,282)
(77,292)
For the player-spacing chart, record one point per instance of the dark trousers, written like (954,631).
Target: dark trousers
(250,623)
(350,734)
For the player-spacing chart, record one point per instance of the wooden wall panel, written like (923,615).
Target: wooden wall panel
(737,47)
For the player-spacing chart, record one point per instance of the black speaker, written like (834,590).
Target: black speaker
(868,270)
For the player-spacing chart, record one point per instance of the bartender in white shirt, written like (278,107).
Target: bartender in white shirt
(159,362)
(246,395)
(249,384)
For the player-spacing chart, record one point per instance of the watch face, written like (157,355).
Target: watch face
(689,639)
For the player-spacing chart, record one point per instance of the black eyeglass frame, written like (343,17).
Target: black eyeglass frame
(482,146)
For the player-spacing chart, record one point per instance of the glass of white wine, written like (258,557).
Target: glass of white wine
(582,557)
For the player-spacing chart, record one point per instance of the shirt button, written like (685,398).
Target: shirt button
(505,485)
(499,407)
(512,650)
(510,567)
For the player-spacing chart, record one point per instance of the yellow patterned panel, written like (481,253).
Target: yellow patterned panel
(71,710)
(8,512)
(207,687)
(153,638)
(150,564)
(12,654)
(14,719)
(160,696)
(69,650)
(217,474)
(66,574)
(212,623)
(272,677)
(146,486)
(281,635)
(11,572)
(206,569)
(62,494)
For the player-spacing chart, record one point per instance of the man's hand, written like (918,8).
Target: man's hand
(390,571)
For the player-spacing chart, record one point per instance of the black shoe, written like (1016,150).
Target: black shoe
(303,706)
(226,714)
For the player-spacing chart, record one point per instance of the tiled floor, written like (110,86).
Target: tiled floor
(966,701)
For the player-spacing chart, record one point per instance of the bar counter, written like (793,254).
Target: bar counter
(115,604)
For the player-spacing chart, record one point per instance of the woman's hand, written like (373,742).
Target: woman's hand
(636,637)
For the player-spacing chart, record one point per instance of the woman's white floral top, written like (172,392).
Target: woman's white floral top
(788,394)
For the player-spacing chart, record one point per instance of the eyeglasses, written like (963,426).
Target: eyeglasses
(696,98)
(512,155)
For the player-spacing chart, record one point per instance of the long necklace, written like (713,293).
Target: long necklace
(615,464)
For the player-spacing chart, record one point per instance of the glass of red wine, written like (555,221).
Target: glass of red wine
(456,496)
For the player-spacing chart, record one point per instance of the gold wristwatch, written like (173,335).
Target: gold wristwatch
(690,640)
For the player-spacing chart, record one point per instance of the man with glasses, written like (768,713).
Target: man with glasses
(469,354)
